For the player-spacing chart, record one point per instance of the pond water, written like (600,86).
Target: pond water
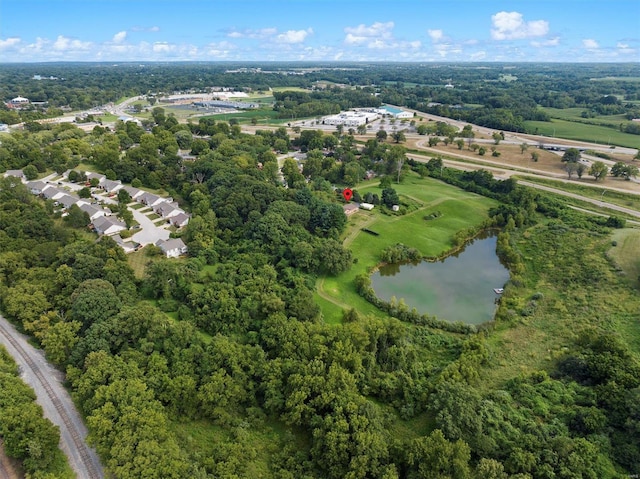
(458,288)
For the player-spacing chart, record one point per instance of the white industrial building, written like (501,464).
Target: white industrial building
(350,118)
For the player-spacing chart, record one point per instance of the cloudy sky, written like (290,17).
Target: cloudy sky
(312,30)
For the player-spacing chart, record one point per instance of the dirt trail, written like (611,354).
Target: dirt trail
(7,471)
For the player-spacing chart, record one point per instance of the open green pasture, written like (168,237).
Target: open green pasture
(626,253)
(579,131)
(575,114)
(458,210)
(576,289)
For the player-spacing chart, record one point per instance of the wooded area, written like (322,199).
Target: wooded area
(220,364)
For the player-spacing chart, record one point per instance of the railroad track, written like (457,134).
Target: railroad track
(78,442)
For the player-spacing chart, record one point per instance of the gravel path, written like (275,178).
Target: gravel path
(58,407)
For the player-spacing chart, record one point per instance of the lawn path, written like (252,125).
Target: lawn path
(347,241)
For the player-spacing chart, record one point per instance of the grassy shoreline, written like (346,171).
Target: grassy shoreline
(459,210)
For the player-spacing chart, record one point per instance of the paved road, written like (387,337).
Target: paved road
(58,407)
(149,233)
(603,204)
(505,173)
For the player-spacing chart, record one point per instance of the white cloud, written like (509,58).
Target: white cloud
(374,33)
(436,35)
(294,36)
(551,42)
(9,42)
(378,36)
(138,28)
(163,47)
(220,49)
(119,37)
(63,44)
(255,34)
(511,26)
(477,56)
(624,48)
(590,44)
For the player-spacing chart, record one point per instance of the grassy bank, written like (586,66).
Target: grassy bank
(591,190)
(458,209)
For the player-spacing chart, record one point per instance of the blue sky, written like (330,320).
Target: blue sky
(320,30)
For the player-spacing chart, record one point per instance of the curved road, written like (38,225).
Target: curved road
(58,407)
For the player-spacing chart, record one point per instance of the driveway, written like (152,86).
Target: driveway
(149,233)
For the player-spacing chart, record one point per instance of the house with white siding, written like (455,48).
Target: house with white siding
(50,192)
(135,193)
(108,226)
(180,220)
(172,248)
(167,210)
(36,187)
(152,200)
(94,212)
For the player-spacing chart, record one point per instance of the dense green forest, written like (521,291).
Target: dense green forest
(221,365)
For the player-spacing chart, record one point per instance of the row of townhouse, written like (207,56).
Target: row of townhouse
(164,207)
(100,216)
(101,220)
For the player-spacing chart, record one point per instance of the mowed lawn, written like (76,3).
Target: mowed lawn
(458,210)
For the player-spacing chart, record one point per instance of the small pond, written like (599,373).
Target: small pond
(458,288)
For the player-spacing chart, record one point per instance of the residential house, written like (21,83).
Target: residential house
(167,210)
(135,193)
(108,225)
(16,173)
(172,248)
(152,200)
(110,186)
(36,187)
(127,246)
(67,200)
(179,220)
(91,175)
(94,212)
(350,208)
(50,192)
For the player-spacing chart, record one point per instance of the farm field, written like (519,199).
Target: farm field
(578,131)
(574,114)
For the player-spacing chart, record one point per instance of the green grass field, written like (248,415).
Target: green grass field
(579,131)
(263,116)
(575,114)
(459,210)
(626,253)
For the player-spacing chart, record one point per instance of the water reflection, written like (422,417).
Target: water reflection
(457,288)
